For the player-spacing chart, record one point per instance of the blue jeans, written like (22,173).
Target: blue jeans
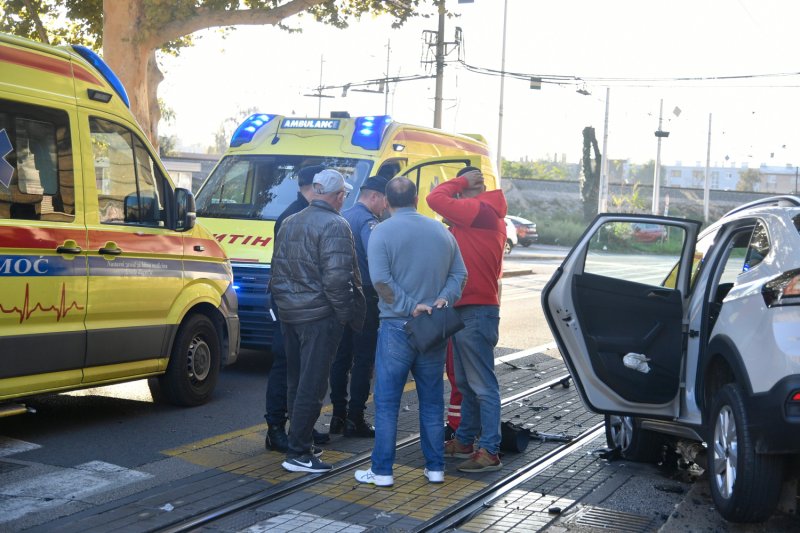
(276,381)
(473,351)
(394,359)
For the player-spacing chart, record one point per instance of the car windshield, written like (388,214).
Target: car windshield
(263,186)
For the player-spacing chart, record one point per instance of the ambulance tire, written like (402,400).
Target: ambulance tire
(194,363)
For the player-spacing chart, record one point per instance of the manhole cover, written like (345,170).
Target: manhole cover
(599,518)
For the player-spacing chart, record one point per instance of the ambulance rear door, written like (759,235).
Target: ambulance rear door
(429,173)
(43,281)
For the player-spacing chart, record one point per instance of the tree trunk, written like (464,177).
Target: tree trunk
(128,57)
(590,185)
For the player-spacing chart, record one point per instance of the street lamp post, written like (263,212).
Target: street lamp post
(502,90)
(660,134)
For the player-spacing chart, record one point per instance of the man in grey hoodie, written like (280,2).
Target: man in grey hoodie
(415,265)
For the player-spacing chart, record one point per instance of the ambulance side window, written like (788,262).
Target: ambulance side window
(130,187)
(36,175)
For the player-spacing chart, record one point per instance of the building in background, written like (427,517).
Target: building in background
(189,170)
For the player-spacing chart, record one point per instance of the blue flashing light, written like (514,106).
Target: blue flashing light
(369,131)
(247,129)
(97,62)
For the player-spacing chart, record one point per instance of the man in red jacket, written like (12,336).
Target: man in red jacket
(476,218)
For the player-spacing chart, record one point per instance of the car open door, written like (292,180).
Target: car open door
(616,309)
(429,173)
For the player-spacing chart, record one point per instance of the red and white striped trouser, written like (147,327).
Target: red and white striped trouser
(454,407)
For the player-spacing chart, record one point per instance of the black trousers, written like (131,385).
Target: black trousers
(310,348)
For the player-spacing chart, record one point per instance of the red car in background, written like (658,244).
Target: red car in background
(526,230)
(649,232)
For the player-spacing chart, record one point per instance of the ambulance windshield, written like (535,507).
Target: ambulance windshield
(263,186)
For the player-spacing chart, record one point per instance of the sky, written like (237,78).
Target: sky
(622,45)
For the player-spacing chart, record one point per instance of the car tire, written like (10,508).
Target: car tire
(745,485)
(508,247)
(193,365)
(634,443)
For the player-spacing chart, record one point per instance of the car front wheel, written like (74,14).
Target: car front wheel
(634,443)
(193,365)
(745,485)
(509,246)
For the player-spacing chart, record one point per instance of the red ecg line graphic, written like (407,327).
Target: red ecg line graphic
(25,313)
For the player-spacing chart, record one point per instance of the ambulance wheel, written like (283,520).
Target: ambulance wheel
(194,363)
(634,443)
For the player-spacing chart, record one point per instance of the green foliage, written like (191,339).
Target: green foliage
(537,170)
(64,21)
(632,203)
(748,179)
(563,231)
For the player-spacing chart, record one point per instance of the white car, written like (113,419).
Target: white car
(696,340)
(511,235)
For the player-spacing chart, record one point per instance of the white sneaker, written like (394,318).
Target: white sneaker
(367,476)
(434,476)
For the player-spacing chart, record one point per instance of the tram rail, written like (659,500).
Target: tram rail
(290,487)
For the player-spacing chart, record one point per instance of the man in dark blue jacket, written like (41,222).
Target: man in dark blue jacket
(355,358)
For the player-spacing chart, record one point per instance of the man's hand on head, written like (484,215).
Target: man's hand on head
(474,179)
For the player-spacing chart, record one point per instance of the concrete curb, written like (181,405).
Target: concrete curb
(516,273)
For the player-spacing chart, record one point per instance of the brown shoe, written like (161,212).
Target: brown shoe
(453,448)
(481,461)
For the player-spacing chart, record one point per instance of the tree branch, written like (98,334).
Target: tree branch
(210,18)
(37,22)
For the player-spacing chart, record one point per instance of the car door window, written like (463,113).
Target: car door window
(36,175)
(619,251)
(130,187)
(757,248)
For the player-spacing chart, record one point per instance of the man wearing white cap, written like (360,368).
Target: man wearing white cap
(317,288)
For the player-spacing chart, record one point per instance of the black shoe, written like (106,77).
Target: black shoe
(306,463)
(449,433)
(337,425)
(320,438)
(277,440)
(316,452)
(359,428)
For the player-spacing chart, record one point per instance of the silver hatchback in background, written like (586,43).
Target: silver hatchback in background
(688,340)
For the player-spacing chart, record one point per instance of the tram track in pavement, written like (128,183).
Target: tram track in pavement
(285,489)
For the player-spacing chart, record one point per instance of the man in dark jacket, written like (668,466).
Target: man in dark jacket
(276,413)
(317,287)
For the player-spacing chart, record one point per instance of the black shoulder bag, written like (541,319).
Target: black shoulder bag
(427,331)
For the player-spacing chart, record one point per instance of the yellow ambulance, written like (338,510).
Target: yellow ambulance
(256,180)
(104,276)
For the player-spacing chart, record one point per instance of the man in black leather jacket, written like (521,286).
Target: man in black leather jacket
(317,288)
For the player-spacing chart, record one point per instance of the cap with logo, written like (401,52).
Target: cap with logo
(376,183)
(329,181)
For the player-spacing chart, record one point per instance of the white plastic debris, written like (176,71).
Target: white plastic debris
(167,507)
(637,361)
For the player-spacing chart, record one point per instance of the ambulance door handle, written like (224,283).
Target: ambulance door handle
(110,251)
(69,249)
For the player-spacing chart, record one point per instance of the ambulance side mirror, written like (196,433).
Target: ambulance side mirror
(185,210)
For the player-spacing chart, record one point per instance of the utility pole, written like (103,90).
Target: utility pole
(502,91)
(437,110)
(319,100)
(657,173)
(707,185)
(602,196)
(386,84)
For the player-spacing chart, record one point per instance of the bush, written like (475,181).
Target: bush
(560,231)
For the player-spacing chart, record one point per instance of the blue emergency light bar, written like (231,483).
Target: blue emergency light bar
(247,129)
(369,131)
(97,62)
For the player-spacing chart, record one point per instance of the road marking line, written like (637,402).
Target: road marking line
(61,487)
(9,446)
(524,353)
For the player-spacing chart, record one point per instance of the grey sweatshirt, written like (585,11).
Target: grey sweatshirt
(413,259)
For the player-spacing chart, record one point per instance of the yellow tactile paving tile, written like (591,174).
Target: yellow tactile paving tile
(411,495)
